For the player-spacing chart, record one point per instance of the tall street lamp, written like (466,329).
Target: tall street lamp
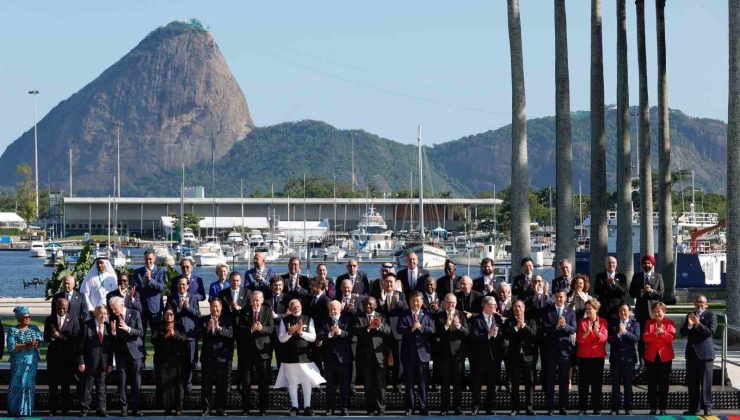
(35,92)
(118,125)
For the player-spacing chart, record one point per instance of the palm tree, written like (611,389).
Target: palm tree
(624,154)
(645,169)
(565,239)
(598,145)
(666,262)
(520,247)
(733,168)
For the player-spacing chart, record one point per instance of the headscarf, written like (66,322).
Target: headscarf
(21,311)
(647,258)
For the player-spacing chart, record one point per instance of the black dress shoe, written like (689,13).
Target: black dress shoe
(597,412)
(178,413)
(581,412)
(124,412)
(474,412)
(65,413)
(549,412)
(459,412)
(690,413)
(84,414)
(424,413)
(627,412)
(52,413)
(138,413)
(530,412)
(652,412)
(205,412)
(262,413)
(514,413)
(344,412)
(409,413)
(293,412)
(614,412)
(329,412)
(707,412)
(308,411)
(563,412)
(101,414)
(221,413)
(443,413)
(663,413)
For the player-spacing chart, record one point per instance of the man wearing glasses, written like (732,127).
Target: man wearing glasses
(360,285)
(699,326)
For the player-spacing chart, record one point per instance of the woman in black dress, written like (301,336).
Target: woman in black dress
(167,340)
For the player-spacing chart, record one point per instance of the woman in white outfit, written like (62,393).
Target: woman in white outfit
(297,334)
(99,281)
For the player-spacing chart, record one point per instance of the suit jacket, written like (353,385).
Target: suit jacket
(560,282)
(255,344)
(592,345)
(226,298)
(187,318)
(279,305)
(316,308)
(361,285)
(504,312)
(480,286)
(519,289)
(337,349)
(196,287)
(397,307)
(129,344)
(446,285)
(62,352)
(216,346)
(452,343)
(534,308)
(2,340)
(215,288)
(700,336)
(134,305)
(487,349)
(422,276)
(358,303)
(611,296)
(642,311)
(426,303)
(151,293)
(522,344)
(417,343)
(372,345)
(622,349)
(77,305)
(304,284)
(95,355)
(559,338)
(471,303)
(250,279)
(659,344)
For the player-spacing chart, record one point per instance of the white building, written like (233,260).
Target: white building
(12,221)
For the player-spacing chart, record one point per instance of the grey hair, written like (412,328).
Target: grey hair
(101,307)
(504,285)
(218,267)
(489,300)
(115,301)
(468,278)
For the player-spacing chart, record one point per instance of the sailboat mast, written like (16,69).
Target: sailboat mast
(421,201)
(213,183)
(182,204)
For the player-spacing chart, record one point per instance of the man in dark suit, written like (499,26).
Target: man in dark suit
(412,277)
(623,335)
(129,350)
(487,337)
(450,282)
(452,332)
(372,331)
(521,357)
(217,334)
(646,287)
(254,333)
(535,305)
(416,328)
(391,304)
(95,359)
(486,283)
(128,293)
(149,282)
(360,284)
(295,284)
(77,303)
(611,290)
(558,323)
(377,285)
(699,327)
(315,303)
(335,338)
(523,282)
(258,277)
(504,301)
(432,299)
(468,300)
(62,333)
(187,314)
(566,275)
(277,301)
(350,302)
(195,283)
(233,299)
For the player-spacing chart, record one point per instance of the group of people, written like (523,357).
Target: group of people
(405,325)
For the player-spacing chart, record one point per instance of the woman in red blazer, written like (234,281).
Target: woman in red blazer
(658,337)
(591,336)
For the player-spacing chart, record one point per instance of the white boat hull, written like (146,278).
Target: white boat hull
(433,257)
(37,252)
(209,260)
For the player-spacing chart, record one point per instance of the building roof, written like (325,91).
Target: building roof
(9,217)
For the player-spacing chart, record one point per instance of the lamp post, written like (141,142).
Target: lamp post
(118,125)
(35,92)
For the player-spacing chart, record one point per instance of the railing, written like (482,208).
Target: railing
(724,359)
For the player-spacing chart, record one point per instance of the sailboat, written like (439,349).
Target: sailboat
(430,255)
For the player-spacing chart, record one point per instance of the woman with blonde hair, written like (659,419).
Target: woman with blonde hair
(658,336)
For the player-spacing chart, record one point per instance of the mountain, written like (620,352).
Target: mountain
(174,94)
(272,155)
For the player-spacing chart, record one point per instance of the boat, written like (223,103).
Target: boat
(188,238)
(256,239)
(334,252)
(161,253)
(118,258)
(210,253)
(37,249)
(54,253)
(430,254)
(234,238)
(372,235)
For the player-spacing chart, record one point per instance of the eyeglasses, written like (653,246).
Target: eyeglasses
(701,302)
(352,265)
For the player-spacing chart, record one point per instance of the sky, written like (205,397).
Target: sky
(381,66)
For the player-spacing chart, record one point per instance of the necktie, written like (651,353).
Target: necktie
(489,318)
(100,333)
(61,323)
(274,302)
(369,318)
(560,313)
(388,300)
(256,317)
(647,278)
(234,294)
(416,317)
(412,279)
(313,301)
(69,297)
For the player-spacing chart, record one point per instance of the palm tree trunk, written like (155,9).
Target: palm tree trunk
(598,146)
(565,239)
(666,262)
(646,166)
(624,153)
(520,247)
(733,169)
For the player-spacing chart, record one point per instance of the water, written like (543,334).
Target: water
(18,267)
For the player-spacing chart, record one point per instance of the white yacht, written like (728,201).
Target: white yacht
(372,235)
(37,249)
(234,238)
(188,238)
(210,253)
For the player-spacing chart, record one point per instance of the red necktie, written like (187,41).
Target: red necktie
(256,316)
(416,318)
(100,334)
